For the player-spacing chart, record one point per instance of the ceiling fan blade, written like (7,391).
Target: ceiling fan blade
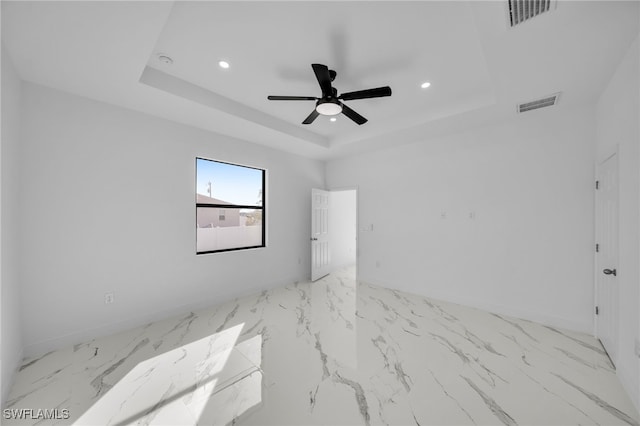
(378,92)
(314,114)
(353,115)
(324,78)
(292,98)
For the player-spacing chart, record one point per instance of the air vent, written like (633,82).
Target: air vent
(547,101)
(523,10)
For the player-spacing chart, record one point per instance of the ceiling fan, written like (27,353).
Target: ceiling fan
(330,103)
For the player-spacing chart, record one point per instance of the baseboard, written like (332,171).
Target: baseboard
(342,265)
(76,337)
(631,390)
(7,382)
(538,317)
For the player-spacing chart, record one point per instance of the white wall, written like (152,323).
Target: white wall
(92,175)
(11,337)
(342,228)
(528,249)
(618,116)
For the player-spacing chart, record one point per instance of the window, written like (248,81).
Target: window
(230,211)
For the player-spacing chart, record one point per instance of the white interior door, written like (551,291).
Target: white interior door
(607,256)
(320,256)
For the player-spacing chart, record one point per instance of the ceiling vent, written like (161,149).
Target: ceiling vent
(523,10)
(547,101)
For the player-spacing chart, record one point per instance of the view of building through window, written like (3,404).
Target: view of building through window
(229,206)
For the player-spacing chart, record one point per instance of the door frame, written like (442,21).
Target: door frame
(596,267)
(357,189)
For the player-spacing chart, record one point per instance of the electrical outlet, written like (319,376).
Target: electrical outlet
(109,297)
(637,348)
(377,263)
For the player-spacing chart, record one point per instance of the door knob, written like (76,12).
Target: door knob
(610,272)
(314,239)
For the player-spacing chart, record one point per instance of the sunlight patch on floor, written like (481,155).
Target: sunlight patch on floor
(182,386)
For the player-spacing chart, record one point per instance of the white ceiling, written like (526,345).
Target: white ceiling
(479,67)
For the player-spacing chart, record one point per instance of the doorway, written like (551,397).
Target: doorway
(343,223)
(334,226)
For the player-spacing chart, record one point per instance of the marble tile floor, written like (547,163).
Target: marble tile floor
(327,353)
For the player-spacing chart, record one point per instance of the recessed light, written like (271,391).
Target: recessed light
(165,59)
(333,119)
(425,85)
(223,64)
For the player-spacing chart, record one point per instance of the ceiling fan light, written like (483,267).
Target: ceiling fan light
(329,108)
